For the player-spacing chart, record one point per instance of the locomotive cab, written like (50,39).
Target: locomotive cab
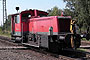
(20,23)
(15,26)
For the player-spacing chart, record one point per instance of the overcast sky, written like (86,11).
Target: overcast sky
(30,4)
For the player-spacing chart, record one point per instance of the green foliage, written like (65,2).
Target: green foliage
(7,24)
(3,33)
(54,11)
(81,49)
(6,28)
(79,10)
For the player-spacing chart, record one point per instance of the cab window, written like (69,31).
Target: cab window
(26,16)
(42,15)
(17,20)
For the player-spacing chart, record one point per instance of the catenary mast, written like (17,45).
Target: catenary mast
(4,12)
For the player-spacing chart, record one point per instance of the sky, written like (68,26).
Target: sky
(43,5)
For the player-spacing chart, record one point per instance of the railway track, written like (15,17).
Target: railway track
(7,45)
(63,55)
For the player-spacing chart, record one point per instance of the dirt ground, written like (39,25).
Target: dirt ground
(29,54)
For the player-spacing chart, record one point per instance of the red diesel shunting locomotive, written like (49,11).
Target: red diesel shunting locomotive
(35,28)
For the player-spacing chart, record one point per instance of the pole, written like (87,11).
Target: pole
(4,14)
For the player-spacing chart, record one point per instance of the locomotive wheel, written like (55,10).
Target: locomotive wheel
(18,40)
(54,47)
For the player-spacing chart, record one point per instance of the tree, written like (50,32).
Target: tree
(54,11)
(80,10)
(7,24)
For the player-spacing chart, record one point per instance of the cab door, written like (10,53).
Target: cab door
(17,25)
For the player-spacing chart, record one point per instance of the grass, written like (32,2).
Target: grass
(4,33)
(80,49)
(84,39)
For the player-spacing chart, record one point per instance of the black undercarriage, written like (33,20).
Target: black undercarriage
(54,43)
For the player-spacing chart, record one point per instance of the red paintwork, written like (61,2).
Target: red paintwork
(42,24)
